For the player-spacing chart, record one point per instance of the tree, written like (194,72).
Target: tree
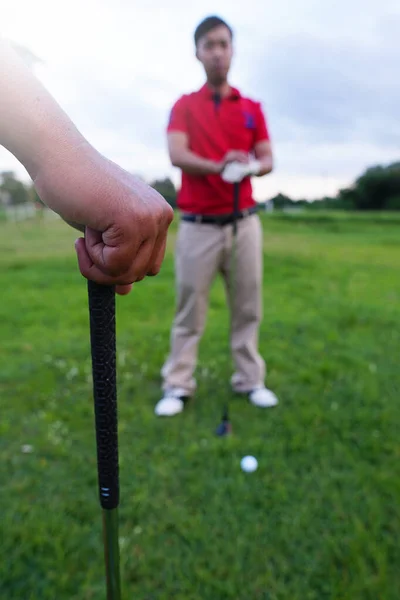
(378,188)
(393,203)
(166,188)
(346,199)
(14,189)
(281,201)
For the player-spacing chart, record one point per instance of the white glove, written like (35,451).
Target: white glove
(235,171)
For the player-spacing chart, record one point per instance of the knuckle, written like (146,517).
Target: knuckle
(170,214)
(155,269)
(115,266)
(124,280)
(163,216)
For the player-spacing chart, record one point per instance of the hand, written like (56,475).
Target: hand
(235,155)
(232,156)
(234,172)
(125,220)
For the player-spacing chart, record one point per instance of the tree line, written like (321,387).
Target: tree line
(378,188)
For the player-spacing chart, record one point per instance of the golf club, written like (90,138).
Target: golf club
(225,427)
(103,351)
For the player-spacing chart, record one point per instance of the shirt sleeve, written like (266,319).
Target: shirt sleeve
(178,119)
(261,133)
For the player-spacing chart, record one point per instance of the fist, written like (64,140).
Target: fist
(125,220)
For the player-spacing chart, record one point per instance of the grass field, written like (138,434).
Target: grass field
(318,520)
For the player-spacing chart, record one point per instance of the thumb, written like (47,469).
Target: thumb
(94,246)
(84,261)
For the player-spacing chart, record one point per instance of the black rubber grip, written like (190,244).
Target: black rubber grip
(103,349)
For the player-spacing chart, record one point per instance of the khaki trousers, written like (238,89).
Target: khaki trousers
(202,251)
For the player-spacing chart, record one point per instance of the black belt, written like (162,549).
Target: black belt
(220,220)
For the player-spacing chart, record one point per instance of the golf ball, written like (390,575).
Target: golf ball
(249,464)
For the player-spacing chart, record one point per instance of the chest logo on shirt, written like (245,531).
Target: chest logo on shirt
(249,120)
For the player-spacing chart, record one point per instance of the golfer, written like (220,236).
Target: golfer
(125,221)
(218,138)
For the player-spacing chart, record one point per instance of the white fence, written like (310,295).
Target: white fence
(23,212)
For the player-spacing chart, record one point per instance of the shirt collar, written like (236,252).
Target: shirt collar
(207,93)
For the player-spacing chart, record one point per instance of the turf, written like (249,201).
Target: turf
(319,519)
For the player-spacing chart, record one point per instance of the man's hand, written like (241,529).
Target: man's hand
(231,157)
(125,220)
(234,172)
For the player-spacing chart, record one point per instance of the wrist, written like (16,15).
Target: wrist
(216,167)
(255,167)
(65,178)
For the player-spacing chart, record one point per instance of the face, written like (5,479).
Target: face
(215,51)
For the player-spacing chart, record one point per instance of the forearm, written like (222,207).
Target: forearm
(192,163)
(266,165)
(32,125)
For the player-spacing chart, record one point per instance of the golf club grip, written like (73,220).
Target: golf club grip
(103,350)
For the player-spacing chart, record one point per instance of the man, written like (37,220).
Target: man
(125,221)
(216,137)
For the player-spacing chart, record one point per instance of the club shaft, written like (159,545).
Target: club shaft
(236,192)
(111,553)
(233,269)
(236,205)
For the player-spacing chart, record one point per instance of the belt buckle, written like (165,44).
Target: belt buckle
(198,219)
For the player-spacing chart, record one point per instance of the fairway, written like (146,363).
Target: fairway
(320,517)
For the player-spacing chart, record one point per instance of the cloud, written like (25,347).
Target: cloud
(332,103)
(331,91)
(325,72)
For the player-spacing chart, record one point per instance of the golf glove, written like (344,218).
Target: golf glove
(236,171)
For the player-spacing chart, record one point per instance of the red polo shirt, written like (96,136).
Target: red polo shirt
(237,123)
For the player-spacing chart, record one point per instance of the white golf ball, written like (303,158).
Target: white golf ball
(249,464)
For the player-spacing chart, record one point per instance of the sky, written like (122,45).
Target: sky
(325,73)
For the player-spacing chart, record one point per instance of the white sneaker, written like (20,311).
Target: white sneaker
(263,397)
(172,403)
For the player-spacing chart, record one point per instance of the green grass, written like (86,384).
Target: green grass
(318,520)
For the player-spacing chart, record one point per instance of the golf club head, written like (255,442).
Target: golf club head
(224,428)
